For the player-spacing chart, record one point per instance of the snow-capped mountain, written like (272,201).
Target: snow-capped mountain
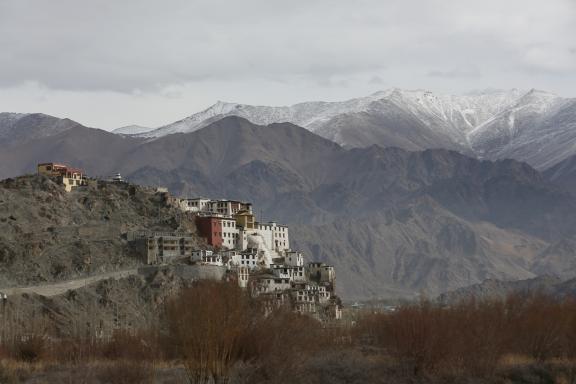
(539,129)
(532,126)
(132,130)
(460,113)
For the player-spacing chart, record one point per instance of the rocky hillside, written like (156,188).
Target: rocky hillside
(133,302)
(47,234)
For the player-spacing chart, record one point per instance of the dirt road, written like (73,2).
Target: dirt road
(54,289)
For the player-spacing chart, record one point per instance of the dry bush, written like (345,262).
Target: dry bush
(207,324)
(30,349)
(541,327)
(4,352)
(472,337)
(282,341)
(72,350)
(127,346)
(218,329)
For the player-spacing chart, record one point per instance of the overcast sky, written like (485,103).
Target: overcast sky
(109,63)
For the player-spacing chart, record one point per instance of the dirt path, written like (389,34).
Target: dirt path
(54,289)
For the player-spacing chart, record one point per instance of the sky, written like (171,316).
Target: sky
(111,63)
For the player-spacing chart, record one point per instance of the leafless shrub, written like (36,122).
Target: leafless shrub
(30,349)
(128,346)
(471,338)
(282,341)
(207,323)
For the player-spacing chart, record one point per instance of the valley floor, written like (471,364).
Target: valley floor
(352,366)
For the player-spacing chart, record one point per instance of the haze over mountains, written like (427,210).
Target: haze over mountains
(393,222)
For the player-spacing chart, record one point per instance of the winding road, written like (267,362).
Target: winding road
(59,288)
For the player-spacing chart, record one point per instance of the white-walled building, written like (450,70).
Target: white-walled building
(294,259)
(249,258)
(229,207)
(243,273)
(196,205)
(275,236)
(286,271)
(223,207)
(213,259)
(198,254)
(229,232)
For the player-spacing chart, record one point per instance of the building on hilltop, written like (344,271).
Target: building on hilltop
(294,259)
(219,230)
(256,255)
(117,178)
(210,227)
(321,273)
(199,254)
(196,205)
(245,219)
(222,207)
(231,224)
(67,176)
(275,235)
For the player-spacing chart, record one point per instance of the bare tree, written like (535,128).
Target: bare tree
(207,324)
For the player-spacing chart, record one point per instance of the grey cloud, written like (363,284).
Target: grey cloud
(164,59)
(129,45)
(377,80)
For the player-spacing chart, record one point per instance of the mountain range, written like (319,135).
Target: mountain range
(393,222)
(532,126)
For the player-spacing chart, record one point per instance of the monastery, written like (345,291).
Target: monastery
(257,255)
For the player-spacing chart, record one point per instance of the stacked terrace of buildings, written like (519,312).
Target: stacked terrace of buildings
(256,254)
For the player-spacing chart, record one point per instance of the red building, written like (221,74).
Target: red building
(65,175)
(210,227)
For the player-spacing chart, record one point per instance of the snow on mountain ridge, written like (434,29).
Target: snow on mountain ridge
(533,126)
(10,117)
(132,130)
(453,110)
(519,126)
(8,120)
